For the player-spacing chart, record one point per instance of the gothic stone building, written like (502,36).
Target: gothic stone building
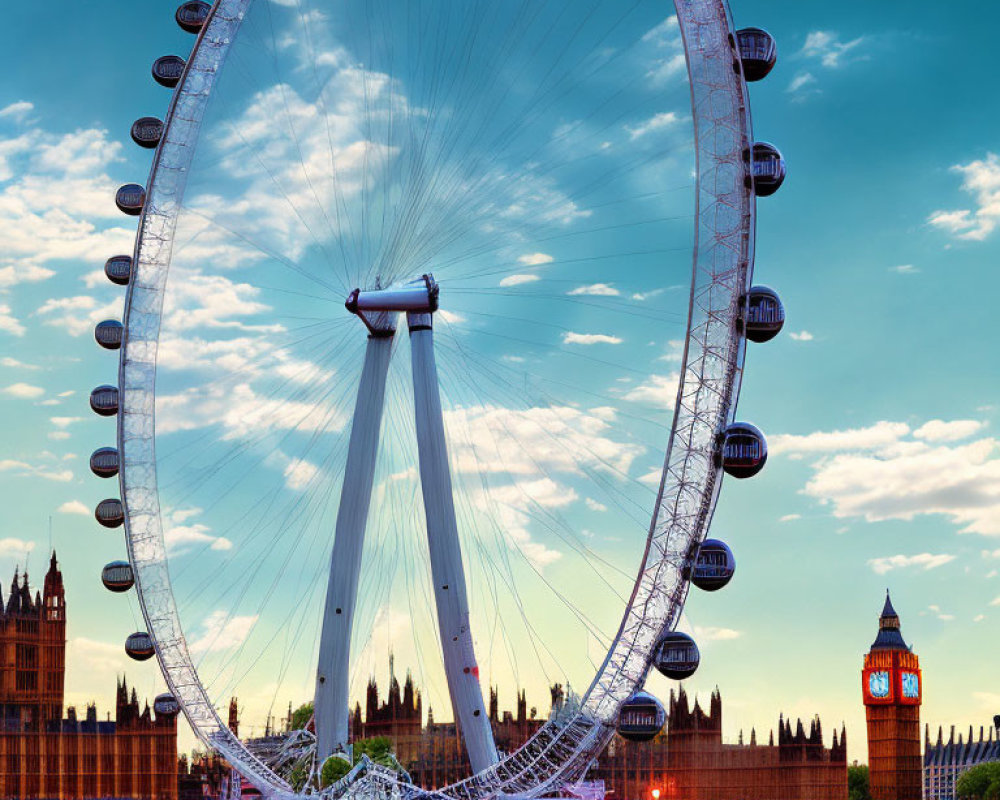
(944,762)
(42,754)
(689,761)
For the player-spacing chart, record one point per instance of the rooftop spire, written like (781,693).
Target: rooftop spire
(889,637)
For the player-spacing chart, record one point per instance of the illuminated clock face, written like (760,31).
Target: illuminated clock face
(911,685)
(878,684)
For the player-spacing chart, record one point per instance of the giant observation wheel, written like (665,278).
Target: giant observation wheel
(429,178)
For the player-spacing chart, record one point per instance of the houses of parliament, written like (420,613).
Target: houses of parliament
(44,754)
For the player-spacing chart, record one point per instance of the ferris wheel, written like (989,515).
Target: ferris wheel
(501,177)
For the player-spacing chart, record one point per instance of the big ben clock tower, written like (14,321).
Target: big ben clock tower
(891,687)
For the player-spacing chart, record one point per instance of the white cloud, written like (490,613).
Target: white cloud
(590,338)
(926,561)
(802,336)
(11,547)
(872,437)
(24,390)
(78,314)
(907,478)
(221,632)
(904,269)
(801,81)
(9,323)
(659,390)
(24,469)
(790,517)
(668,53)
(517,280)
(593,505)
(981,179)
(241,412)
(710,634)
(179,539)
(299,474)
(13,363)
(995,602)
(16,110)
(596,289)
(936,610)
(658,122)
(100,658)
(940,431)
(74,507)
(828,48)
(535,259)
(64,422)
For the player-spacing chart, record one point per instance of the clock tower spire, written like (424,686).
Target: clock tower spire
(891,686)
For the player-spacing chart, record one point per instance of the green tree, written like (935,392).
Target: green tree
(300,716)
(378,749)
(334,768)
(982,782)
(857,783)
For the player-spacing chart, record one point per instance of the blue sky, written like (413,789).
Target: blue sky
(878,398)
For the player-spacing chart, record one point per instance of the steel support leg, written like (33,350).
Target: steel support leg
(447,571)
(332,703)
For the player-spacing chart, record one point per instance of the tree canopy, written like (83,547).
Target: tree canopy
(982,782)
(857,783)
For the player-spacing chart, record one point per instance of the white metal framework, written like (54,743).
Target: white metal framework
(562,750)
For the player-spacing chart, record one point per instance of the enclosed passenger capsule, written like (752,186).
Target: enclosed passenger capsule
(641,717)
(104,400)
(191,16)
(167,70)
(104,462)
(714,567)
(119,269)
(765,315)
(117,576)
(146,132)
(110,513)
(166,705)
(130,199)
(139,646)
(768,169)
(108,334)
(676,656)
(758,52)
(743,451)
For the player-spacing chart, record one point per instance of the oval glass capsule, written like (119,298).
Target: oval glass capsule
(714,567)
(676,656)
(104,400)
(768,169)
(119,269)
(166,705)
(104,462)
(139,646)
(117,576)
(110,513)
(109,333)
(758,52)
(146,132)
(167,70)
(640,718)
(130,199)
(765,315)
(191,16)
(744,450)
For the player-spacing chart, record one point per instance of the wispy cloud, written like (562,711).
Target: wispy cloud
(23,390)
(829,49)
(925,561)
(590,338)
(981,179)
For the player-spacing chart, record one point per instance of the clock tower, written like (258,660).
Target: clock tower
(891,685)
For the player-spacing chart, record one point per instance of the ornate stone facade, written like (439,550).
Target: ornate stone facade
(43,754)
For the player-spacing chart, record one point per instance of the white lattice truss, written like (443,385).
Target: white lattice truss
(563,749)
